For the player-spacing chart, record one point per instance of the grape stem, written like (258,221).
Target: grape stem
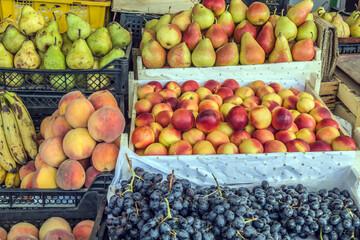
(238,233)
(137,209)
(218,189)
(351,213)
(171,180)
(321,238)
(250,220)
(131,184)
(168,212)
(173,232)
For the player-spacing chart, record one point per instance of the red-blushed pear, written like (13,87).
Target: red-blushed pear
(147,35)
(192,36)
(281,52)
(227,55)
(243,27)
(298,13)
(217,6)
(227,23)
(216,35)
(238,10)
(204,54)
(273,19)
(266,38)
(303,50)
(153,55)
(202,16)
(258,13)
(179,56)
(182,19)
(169,35)
(250,51)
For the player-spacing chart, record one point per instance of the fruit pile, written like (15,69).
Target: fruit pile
(148,207)
(35,45)
(229,119)
(209,35)
(52,228)
(80,132)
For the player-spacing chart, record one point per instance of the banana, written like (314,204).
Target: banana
(25,124)
(2,175)
(10,180)
(12,134)
(17,179)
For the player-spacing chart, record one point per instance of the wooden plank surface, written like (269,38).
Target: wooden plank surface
(329,88)
(349,39)
(352,69)
(348,57)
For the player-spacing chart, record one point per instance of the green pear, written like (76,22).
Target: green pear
(153,54)
(179,56)
(273,19)
(76,23)
(202,16)
(307,30)
(165,19)
(227,23)
(285,26)
(13,39)
(54,58)
(320,10)
(67,43)
(27,57)
(115,53)
(355,28)
(168,35)
(96,82)
(146,36)
(62,82)
(204,54)
(1,36)
(6,22)
(38,77)
(182,19)
(99,42)
(352,18)
(238,10)
(309,17)
(120,37)
(79,56)
(6,58)
(47,35)
(326,16)
(281,51)
(151,24)
(332,14)
(14,79)
(30,21)
(227,55)
(343,29)
(250,50)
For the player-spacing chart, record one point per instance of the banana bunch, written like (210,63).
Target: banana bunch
(17,138)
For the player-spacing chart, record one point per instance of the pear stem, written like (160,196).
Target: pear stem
(169,9)
(11,14)
(114,17)
(324,3)
(357,15)
(282,12)
(27,36)
(355,6)
(227,7)
(55,42)
(275,11)
(54,16)
(79,33)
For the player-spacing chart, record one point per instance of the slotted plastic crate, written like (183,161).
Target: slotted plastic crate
(348,48)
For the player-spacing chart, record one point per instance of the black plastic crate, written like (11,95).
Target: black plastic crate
(348,48)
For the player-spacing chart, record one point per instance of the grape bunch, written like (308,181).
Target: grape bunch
(149,207)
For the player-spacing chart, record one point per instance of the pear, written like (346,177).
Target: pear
(6,22)
(99,42)
(151,24)
(14,79)
(285,26)
(165,19)
(326,16)
(114,54)
(227,23)
(76,23)
(310,17)
(54,58)
(216,35)
(241,28)
(192,36)
(66,46)
(250,51)
(146,36)
(6,58)
(227,55)
(27,57)
(332,14)
(307,30)
(266,38)
(168,35)
(96,82)
(153,54)
(298,13)
(38,77)
(320,10)
(13,39)
(62,82)
(182,19)
(203,54)
(274,18)
(202,16)
(350,20)
(238,10)
(343,29)
(120,37)
(30,21)
(303,50)
(355,28)
(1,36)
(179,56)
(46,36)
(281,52)
(79,56)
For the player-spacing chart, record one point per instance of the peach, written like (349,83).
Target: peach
(212,85)
(273,97)
(117,142)
(306,134)
(25,237)
(49,130)
(305,120)
(295,113)
(155,98)
(225,128)
(156,128)
(276,86)
(251,146)
(68,98)
(83,229)
(328,122)
(78,111)
(230,83)
(305,94)
(56,114)
(190,95)
(327,134)
(262,91)
(164,118)
(193,136)
(3,233)
(44,124)
(260,117)
(248,105)
(290,102)
(143,106)
(227,148)
(217,138)
(53,223)
(60,126)
(263,135)
(173,86)
(215,98)
(343,143)
(203,92)
(44,177)
(237,118)
(297,145)
(189,86)
(156,85)
(105,156)
(271,129)
(180,147)
(26,169)
(220,116)
(172,102)
(295,91)
(102,98)
(253,99)
(183,120)
(320,146)
(284,93)
(140,152)
(320,113)
(78,144)
(244,92)
(208,104)
(255,85)
(188,104)
(168,93)
(51,151)
(144,90)
(305,105)
(318,103)
(144,119)
(38,161)
(234,100)
(160,107)
(270,104)
(56,234)
(168,136)
(284,136)
(26,182)
(203,147)
(70,175)
(85,162)
(207,121)
(293,128)
(155,149)
(225,108)
(90,176)
(22,228)
(273,146)
(224,92)
(106,124)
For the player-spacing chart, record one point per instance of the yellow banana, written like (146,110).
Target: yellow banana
(17,179)
(10,180)
(12,134)
(25,124)
(2,175)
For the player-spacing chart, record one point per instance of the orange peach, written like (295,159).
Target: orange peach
(207,121)
(262,91)
(203,147)
(22,228)
(305,120)
(225,128)
(306,134)
(248,105)
(160,107)
(78,144)
(295,91)
(343,143)
(220,116)
(156,128)
(227,148)
(225,108)
(293,128)
(327,134)
(104,156)
(103,98)
(168,93)
(56,114)
(68,98)
(85,162)
(193,136)
(83,229)
(56,234)
(217,138)
(3,233)
(215,98)
(295,113)
(212,85)
(290,102)
(251,146)
(320,113)
(173,86)
(272,97)
(156,85)
(260,117)
(49,129)
(188,104)
(155,149)
(305,94)
(271,129)
(70,175)
(297,145)
(284,93)
(190,95)
(53,223)
(44,124)
(284,136)
(164,118)
(249,128)
(305,105)
(143,106)
(51,151)
(203,92)
(106,124)
(234,100)
(26,169)
(168,136)
(244,92)
(273,146)
(255,85)
(60,126)
(189,86)
(183,120)
(144,119)
(26,182)
(230,83)
(253,99)
(44,177)
(276,86)
(144,90)
(180,147)
(78,112)
(38,161)
(270,104)
(318,103)
(320,146)
(155,98)
(90,175)
(328,122)
(224,92)
(263,135)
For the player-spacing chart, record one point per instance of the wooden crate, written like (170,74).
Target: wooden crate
(328,92)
